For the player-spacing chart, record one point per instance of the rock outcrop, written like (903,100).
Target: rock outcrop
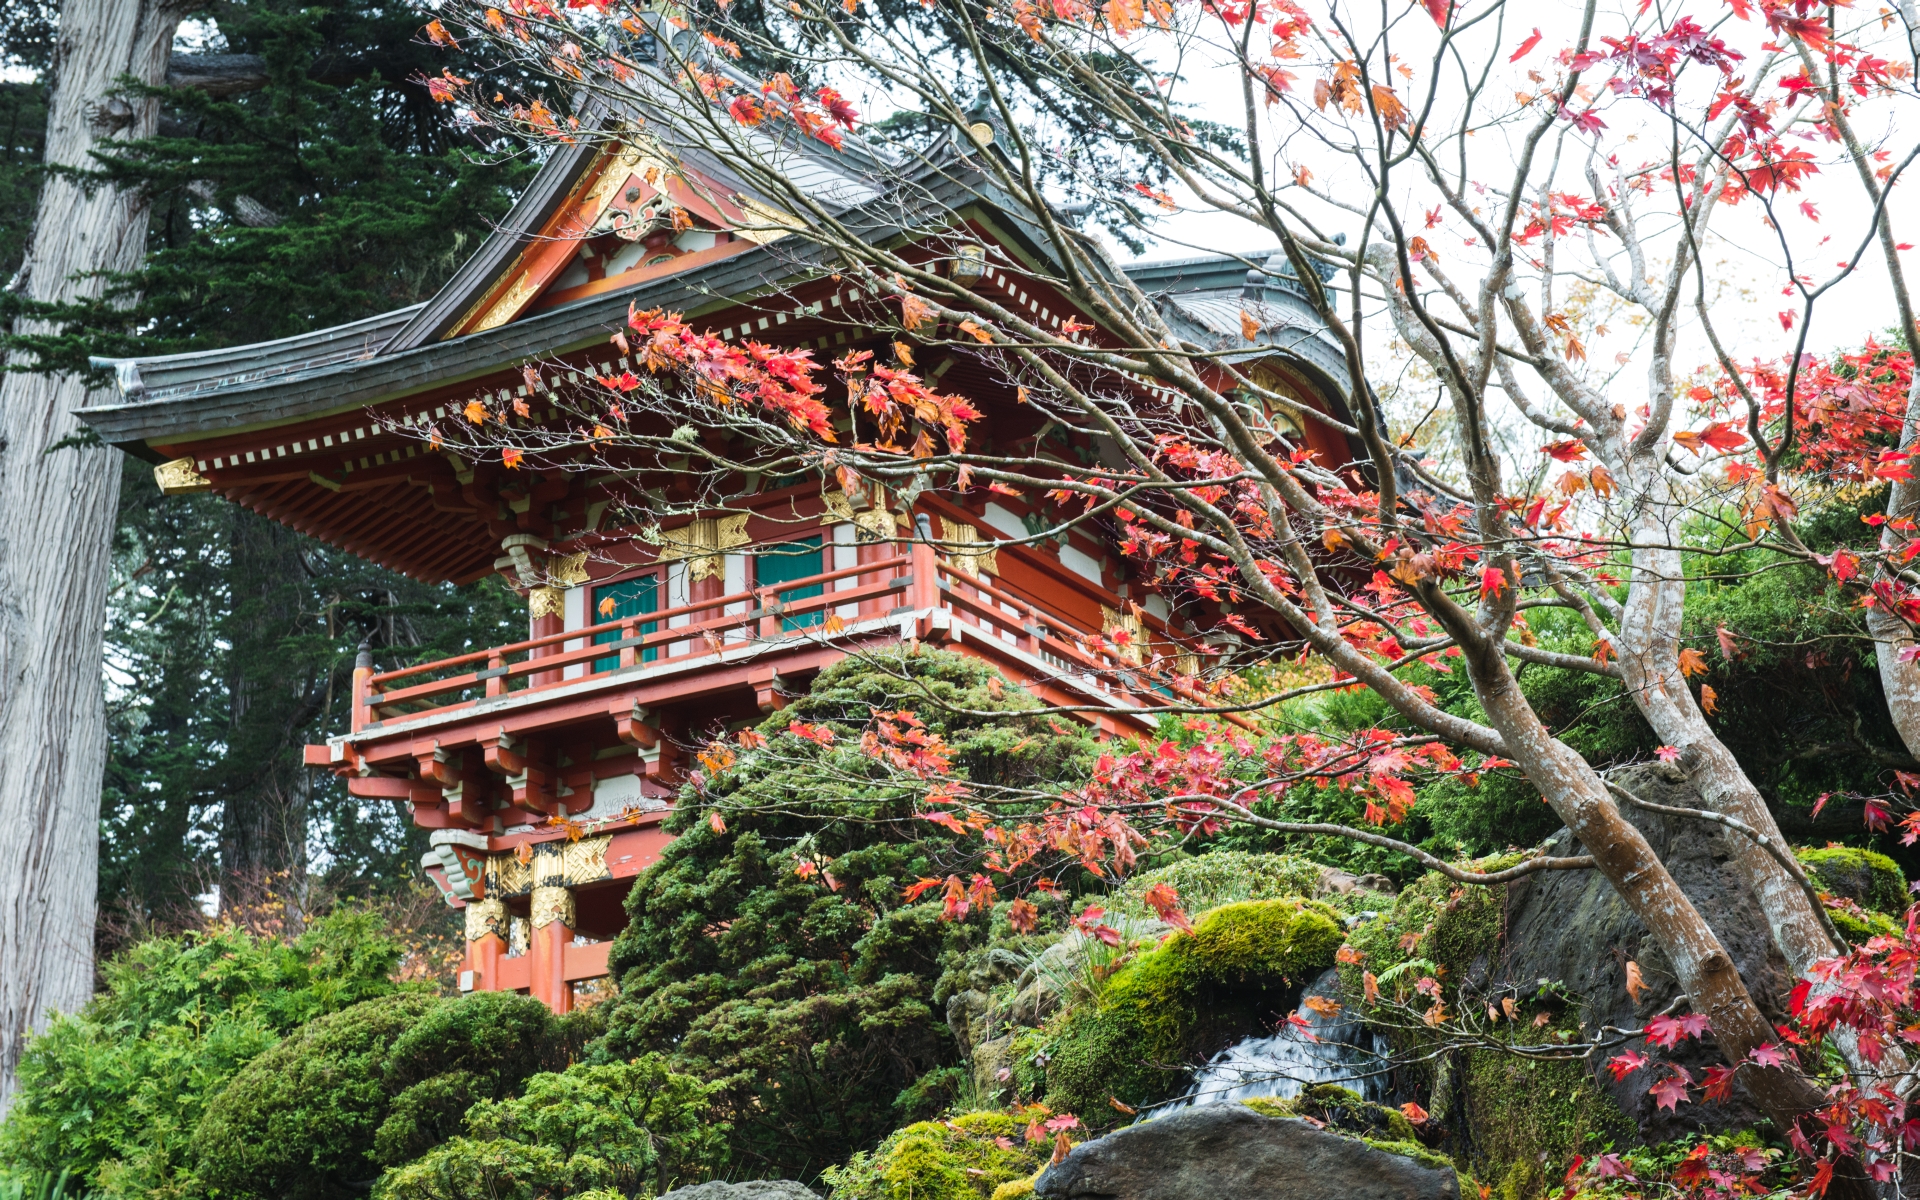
(1570,928)
(1227,1150)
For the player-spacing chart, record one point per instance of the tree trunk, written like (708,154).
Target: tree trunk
(56,524)
(1705,970)
(1900,676)
(1649,650)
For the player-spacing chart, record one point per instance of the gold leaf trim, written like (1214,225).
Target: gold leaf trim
(552,904)
(179,476)
(546,602)
(1114,621)
(976,563)
(704,543)
(487,917)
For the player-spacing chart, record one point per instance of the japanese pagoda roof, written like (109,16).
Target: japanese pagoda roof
(176,399)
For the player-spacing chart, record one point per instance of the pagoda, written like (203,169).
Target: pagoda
(544,768)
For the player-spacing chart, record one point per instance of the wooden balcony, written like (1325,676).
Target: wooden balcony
(748,641)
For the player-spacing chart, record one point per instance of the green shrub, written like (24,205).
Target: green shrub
(114,1092)
(1242,963)
(819,1007)
(976,1156)
(624,1128)
(370,1086)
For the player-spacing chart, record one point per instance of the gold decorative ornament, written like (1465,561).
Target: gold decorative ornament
(546,602)
(585,861)
(839,507)
(703,543)
(975,562)
(1125,620)
(552,904)
(567,570)
(508,876)
(179,476)
(877,523)
(552,864)
(486,917)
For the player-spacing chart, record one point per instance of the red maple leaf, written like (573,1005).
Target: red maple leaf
(1623,1065)
(1672,1090)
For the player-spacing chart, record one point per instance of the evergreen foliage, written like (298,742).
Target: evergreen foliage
(113,1093)
(632,1128)
(230,645)
(816,1004)
(336,191)
(318,1116)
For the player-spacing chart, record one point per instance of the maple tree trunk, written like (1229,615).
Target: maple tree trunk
(1648,645)
(56,524)
(1900,676)
(1578,796)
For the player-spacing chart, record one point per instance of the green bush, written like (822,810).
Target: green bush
(114,1092)
(371,1086)
(976,1156)
(626,1128)
(818,1004)
(1242,963)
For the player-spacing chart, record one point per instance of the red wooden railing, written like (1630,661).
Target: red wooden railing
(916,579)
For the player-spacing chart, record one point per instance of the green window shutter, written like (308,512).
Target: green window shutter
(631,597)
(778,563)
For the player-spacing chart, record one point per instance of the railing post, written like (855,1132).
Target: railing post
(766,600)
(496,684)
(629,655)
(362,687)
(925,592)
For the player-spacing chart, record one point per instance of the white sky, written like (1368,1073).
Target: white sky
(1745,260)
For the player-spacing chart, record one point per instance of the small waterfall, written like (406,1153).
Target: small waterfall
(1287,1063)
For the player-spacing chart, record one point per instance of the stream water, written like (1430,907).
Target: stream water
(1286,1063)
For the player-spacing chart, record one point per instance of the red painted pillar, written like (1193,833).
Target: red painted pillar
(549,622)
(925,592)
(547,952)
(708,587)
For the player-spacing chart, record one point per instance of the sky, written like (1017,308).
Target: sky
(1745,258)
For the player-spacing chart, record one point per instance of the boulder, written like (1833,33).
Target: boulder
(1571,929)
(752,1189)
(1217,1151)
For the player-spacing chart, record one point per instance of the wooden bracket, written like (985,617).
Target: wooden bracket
(769,690)
(635,727)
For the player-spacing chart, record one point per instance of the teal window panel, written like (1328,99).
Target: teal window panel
(782,561)
(631,598)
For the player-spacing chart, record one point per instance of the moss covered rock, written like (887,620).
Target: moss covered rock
(976,1156)
(1868,879)
(1524,1109)
(1241,968)
(1208,881)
